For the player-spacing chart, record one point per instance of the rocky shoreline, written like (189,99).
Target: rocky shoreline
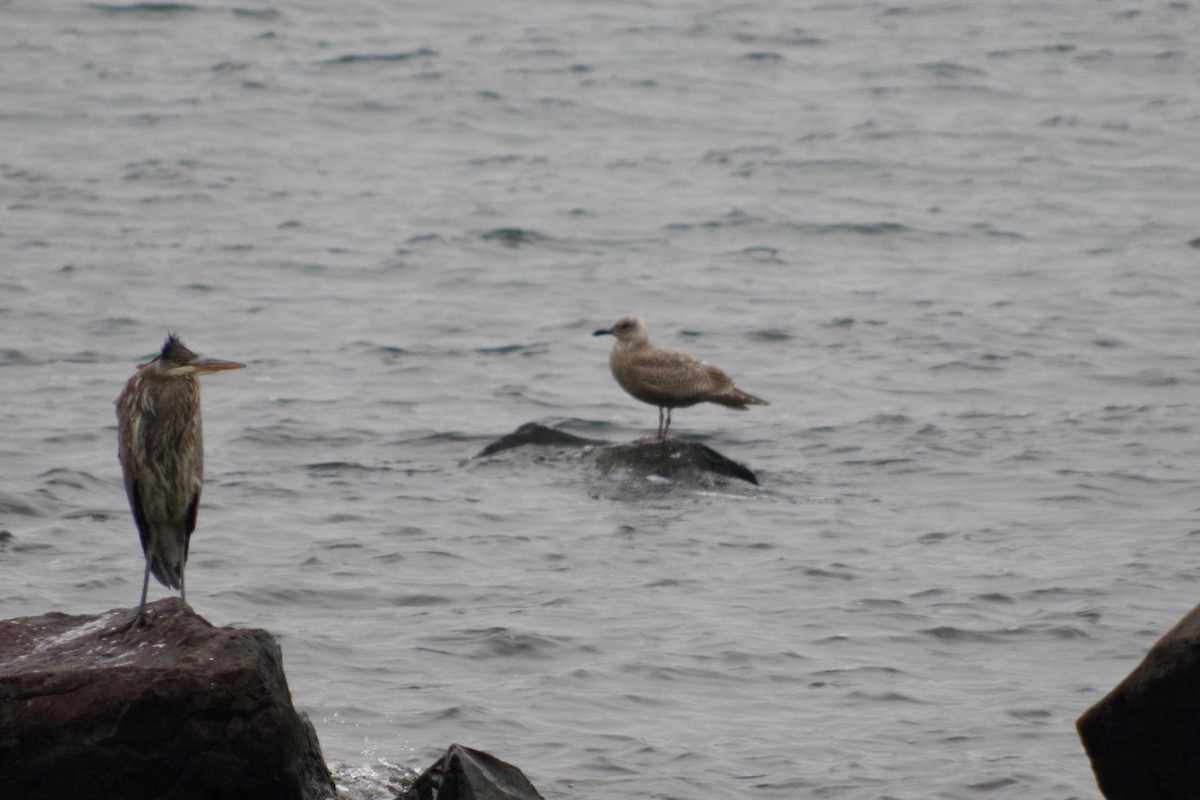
(177,708)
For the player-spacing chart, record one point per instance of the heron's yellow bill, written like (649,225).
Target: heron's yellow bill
(206,365)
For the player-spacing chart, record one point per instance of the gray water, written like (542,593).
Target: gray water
(954,244)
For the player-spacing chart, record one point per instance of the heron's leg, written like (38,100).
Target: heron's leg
(141,612)
(663,435)
(659,431)
(145,589)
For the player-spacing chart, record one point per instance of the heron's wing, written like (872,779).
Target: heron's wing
(189,522)
(139,513)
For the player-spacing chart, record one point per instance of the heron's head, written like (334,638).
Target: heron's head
(627,329)
(176,361)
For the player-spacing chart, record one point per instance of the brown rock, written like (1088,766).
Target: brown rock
(1144,737)
(175,709)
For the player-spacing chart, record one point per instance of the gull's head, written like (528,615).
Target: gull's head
(627,329)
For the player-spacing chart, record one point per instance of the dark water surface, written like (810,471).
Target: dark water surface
(955,245)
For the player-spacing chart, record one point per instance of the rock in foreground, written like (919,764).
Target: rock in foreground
(466,774)
(1144,737)
(175,709)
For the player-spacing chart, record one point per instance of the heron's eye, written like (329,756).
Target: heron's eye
(182,362)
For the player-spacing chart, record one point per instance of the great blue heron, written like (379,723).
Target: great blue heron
(161,448)
(666,377)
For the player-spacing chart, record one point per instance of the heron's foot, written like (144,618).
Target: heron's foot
(128,627)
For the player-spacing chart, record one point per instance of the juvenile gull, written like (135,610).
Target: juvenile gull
(666,377)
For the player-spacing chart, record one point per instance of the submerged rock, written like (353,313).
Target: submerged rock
(175,708)
(533,433)
(466,774)
(666,458)
(672,459)
(1144,736)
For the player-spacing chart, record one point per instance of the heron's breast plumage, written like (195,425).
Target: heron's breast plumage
(163,445)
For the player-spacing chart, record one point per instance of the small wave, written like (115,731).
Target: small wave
(257,13)
(884,697)
(145,8)
(333,599)
(1030,713)
(287,434)
(770,335)
(72,479)
(724,156)
(860,671)
(495,641)
(337,467)
(504,160)
(947,69)
(785,40)
(992,785)
(1050,49)
(1150,378)
(759,254)
(879,462)
(949,633)
(973,366)
(890,419)
(858,228)
(380,58)
(15,358)
(538,348)
(514,237)
(816,572)
(90,515)
(988,230)
(385,353)
(420,600)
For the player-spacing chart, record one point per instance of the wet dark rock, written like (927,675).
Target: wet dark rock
(513,237)
(666,458)
(1144,736)
(533,433)
(466,774)
(174,709)
(672,459)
